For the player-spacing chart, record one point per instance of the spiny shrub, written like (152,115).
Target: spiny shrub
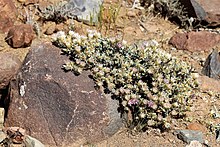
(148,82)
(171,9)
(60,12)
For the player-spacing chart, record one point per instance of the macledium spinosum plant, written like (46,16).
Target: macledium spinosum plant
(148,82)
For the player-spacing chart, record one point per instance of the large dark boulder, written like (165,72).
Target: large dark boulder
(207,10)
(212,65)
(58,108)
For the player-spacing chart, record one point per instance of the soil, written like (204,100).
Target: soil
(133,25)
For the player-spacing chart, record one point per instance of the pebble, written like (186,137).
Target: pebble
(51,28)
(196,126)
(131,13)
(189,135)
(194,143)
(32,142)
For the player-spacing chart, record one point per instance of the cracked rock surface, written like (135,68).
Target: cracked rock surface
(58,108)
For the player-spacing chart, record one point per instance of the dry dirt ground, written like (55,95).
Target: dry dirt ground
(133,25)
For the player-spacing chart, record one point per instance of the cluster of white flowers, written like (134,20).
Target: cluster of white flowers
(147,80)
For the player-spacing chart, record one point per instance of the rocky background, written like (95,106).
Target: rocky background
(40,100)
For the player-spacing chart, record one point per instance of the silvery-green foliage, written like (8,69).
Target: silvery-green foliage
(57,12)
(154,86)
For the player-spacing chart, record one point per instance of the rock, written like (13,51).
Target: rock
(8,14)
(86,10)
(49,28)
(66,109)
(61,27)
(20,36)
(195,41)
(194,143)
(131,13)
(212,65)
(9,65)
(203,10)
(189,135)
(32,142)
(15,135)
(196,127)
(208,84)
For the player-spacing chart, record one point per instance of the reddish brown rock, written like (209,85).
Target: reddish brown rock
(59,108)
(195,41)
(20,36)
(8,14)
(9,66)
(196,127)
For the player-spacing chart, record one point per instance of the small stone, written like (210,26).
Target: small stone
(189,135)
(14,129)
(194,143)
(86,10)
(61,27)
(20,36)
(50,28)
(32,142)
(196,127)
(131,13)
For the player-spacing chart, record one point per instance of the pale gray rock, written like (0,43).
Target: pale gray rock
(189,135)
(84,10)
(32,142)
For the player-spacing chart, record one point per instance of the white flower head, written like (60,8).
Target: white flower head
(74,35)
(124,42)
(60,34)
(93,33)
